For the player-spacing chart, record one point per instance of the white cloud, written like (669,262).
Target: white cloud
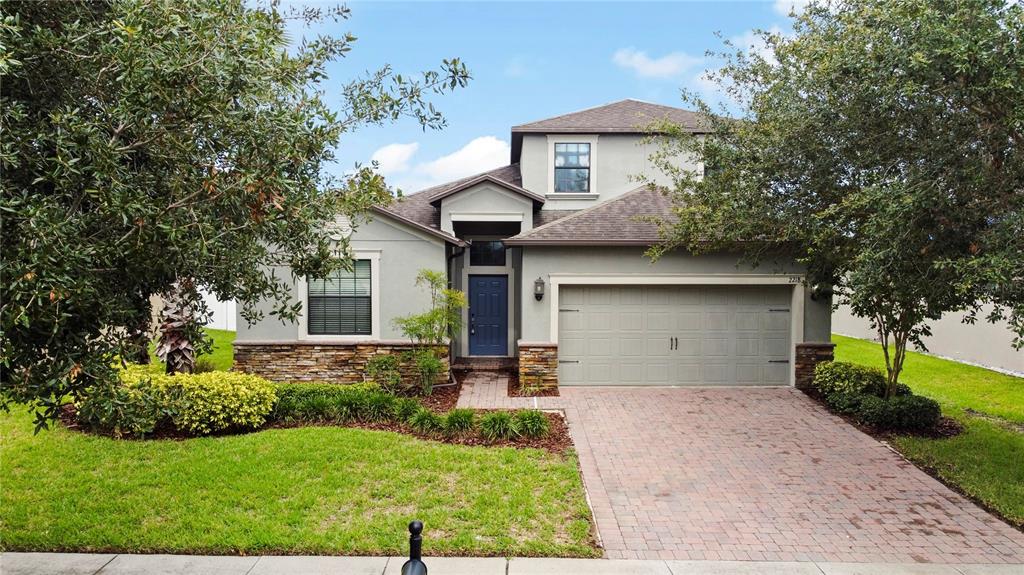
(479,155)
(754,43)
(670,65)
(784,7)
(394,158)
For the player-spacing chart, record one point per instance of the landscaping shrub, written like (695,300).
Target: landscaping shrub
(426,421)
(384,369)
(904,413)
(844,402)
(459,421)
(376,406)
(123,409)
(499,425)
(219,401)
(405,407)
(532,423)
(842,377)
(327,402)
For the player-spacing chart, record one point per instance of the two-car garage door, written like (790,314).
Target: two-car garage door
(674,335)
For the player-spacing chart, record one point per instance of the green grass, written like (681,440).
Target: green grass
(319,490)
(983,461)
(222,353)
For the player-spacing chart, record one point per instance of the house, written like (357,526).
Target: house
(550,251)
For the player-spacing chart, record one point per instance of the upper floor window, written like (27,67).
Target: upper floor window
(572,168)
(342,303)
(487,253)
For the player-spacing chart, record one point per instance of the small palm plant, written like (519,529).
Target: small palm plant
(181,334)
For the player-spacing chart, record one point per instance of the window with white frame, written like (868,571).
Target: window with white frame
(343,303)
(572,168)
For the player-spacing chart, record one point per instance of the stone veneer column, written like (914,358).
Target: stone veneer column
(809,355)
(538,364)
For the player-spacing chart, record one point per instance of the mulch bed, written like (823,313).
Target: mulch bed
(442,399)
(947,426)
(516,390)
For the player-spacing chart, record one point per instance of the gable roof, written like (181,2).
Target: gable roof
(615,222)
(436,198)
(418,208)
(622,117)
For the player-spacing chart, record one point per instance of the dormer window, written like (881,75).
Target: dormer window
(572,168)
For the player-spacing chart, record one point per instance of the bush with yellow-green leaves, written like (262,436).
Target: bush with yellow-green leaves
(196,404)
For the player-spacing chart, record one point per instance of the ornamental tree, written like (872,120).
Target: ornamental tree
(146,143)
(881,145)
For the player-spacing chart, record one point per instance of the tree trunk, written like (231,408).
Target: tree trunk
(175,347)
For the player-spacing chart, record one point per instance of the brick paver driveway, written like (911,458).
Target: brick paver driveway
(756,474)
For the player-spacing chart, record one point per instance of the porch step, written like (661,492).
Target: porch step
(467,364)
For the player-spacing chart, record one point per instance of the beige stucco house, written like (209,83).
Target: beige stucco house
(550,251)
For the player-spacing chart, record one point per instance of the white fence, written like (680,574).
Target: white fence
(983,343)
(223,312)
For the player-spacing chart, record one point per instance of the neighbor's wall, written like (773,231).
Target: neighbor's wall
(619,158)
(984,343)
(541,261)
(402,254)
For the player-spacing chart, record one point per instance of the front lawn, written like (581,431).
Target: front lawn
(983,461)
(311,490)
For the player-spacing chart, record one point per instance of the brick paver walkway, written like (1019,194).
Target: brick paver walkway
(754,474)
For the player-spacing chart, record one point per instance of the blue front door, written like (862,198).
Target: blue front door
(488,315)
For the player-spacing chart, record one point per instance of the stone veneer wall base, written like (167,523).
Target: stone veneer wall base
(808,356)
(329,362)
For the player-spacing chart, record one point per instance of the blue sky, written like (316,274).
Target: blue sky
(529,61)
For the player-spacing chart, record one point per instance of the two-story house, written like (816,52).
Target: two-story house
(550,251)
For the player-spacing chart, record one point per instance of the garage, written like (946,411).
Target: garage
(686,335)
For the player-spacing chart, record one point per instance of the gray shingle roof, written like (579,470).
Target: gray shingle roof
(615,222)
(626,116)
(417,206)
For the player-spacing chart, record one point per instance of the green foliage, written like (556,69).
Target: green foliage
(384,369)
(139,152)
(844,402)
(426,422)
(880,144)
(906,413)
(429,367)
(532,423)
(123,410)
(842,377)
(377,406)
(499,425)
(327,402)
(405,407)
(218,401)
(459,421)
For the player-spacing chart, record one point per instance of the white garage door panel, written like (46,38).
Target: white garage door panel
(726,335)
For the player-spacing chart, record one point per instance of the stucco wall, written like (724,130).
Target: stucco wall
(541,261)
(402,254)
(618,157)
(983,343)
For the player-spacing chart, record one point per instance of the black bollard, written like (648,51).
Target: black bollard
(415,565)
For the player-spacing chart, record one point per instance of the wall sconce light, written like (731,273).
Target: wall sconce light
(821,291)
(538,289)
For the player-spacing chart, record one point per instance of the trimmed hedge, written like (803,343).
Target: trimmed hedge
(330,402)
(858,391)
(197,404)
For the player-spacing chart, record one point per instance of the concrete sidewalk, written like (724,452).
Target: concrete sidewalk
(108,564)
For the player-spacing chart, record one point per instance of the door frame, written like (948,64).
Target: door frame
(796,280)
(508,311)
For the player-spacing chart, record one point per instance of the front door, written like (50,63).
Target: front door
(488,315)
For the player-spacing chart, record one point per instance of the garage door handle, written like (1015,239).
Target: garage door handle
(778,361)
(568,310)
(781,309)
(568,361)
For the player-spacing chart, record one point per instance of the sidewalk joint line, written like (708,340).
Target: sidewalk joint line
(104,566)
